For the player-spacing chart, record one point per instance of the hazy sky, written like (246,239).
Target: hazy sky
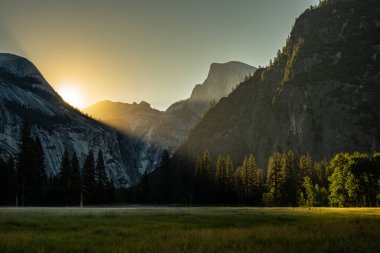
(142,50)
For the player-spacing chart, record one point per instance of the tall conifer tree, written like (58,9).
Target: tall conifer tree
(88,179)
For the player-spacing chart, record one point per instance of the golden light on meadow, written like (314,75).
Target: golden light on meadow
(71,95)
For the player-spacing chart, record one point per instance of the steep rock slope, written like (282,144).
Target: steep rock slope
(25,95)
(169,129)
(321,94)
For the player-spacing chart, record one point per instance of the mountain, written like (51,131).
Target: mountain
(319,96)
(169,129)
(26,96)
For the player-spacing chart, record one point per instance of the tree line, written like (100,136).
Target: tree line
(23,179)
(347,180)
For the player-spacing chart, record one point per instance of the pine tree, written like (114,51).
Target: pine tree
(31,175)
(41,177)
(338,192)
(311,193)
(75,190)
(206,167)
(166,178)
(244,179)
(239,186)
(203,182)
(322,172)
(306,167)
(220,178)
(249,179)
(4,183)
(101,178)
(88,179)
(24,164)
(65,174)
(289,183)
(230,180)
(260,185)
(274,177)
(198,176)
(12,180)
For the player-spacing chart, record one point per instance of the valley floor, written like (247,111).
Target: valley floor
(200,229)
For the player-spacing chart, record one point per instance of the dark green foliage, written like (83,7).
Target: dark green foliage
(289,182)
(88,179)
(166,178)
(355,179)
(68,189)
(225,185)
(27,184)
(101,179)
(8,190)
(274,179)
(75,178)
(31,176)
(230,182)
(65,178)
(249,183)
(220,178)
(203,180)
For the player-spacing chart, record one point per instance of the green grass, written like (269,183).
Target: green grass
(189,230)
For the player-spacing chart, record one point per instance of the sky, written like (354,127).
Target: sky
(142,50)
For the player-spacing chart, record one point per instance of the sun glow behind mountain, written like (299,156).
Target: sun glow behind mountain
(71,95)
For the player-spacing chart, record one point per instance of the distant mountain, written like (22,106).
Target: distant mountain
(26,96)
(221,80)
(320,95)
(169,129)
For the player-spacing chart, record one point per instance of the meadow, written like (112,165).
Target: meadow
(199,229)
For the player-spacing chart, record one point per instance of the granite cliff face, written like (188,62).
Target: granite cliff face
(25,95)
(320,95)
(169,129)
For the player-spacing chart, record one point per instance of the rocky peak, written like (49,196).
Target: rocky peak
(25,96)
(320,95)
(18,66)
(221,80)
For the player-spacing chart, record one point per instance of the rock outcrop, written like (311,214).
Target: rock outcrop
(26,96)
(169,129)
(320,95)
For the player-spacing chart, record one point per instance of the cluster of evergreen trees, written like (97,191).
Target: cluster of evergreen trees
(23,181)
(89,186)
(289,180)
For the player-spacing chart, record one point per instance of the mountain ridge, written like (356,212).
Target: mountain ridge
(26,96)
(169,129)
(317,97)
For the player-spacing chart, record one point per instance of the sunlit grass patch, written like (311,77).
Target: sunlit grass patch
(189,229)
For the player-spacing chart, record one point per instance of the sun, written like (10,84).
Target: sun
(71,95)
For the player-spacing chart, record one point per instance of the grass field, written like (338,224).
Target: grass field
(204,229)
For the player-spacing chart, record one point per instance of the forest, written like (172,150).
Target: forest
(347,180)
(23,179)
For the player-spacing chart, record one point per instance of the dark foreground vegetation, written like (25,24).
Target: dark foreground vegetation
(347,180)
(24,182)
(189,230)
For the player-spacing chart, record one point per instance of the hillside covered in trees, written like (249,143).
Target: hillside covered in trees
(318,96)
(347,180)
